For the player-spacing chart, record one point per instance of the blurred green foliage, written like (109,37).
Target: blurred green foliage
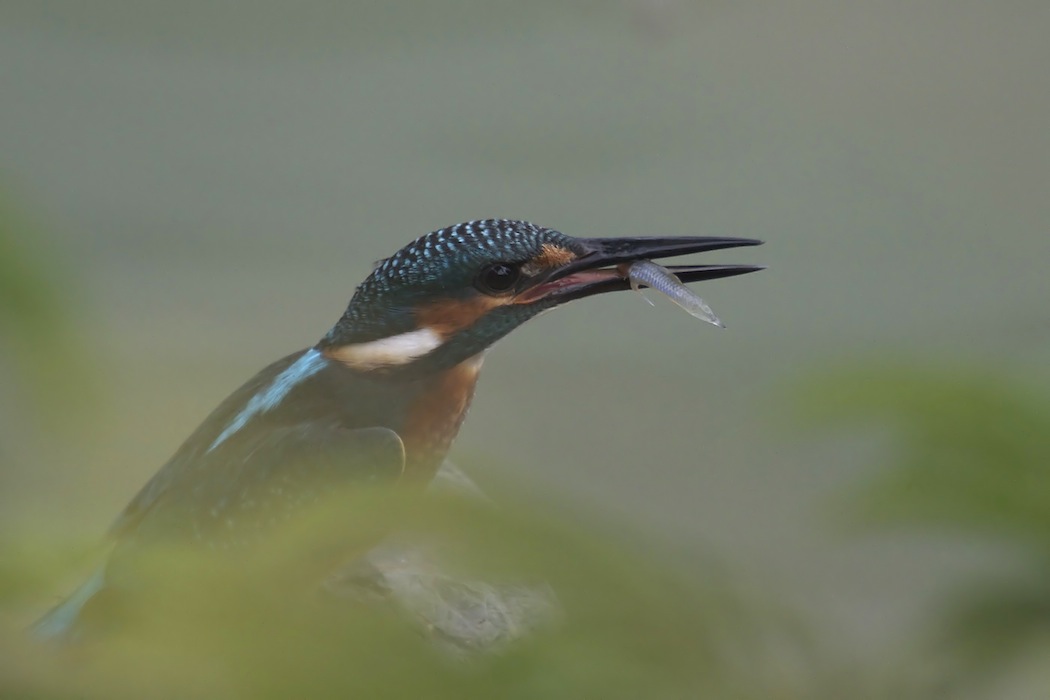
(969,454)
(972,452)
(970,458)
(248,625)
(44,353)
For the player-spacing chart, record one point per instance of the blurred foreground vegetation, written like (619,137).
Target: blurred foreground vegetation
(969,454)
(969,458)
(40,354)
(628,624)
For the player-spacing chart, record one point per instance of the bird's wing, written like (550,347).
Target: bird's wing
(192,455)
(244,497)
(239,495)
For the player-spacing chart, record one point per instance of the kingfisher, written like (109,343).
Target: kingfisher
(381,396)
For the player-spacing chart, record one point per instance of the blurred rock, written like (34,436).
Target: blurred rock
(457,612)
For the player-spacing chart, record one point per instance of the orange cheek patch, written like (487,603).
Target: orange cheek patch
(448,316)
(550,256)
(553,256)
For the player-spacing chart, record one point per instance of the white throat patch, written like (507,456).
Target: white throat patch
(386,352)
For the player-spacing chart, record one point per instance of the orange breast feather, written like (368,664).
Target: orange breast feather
(434,419)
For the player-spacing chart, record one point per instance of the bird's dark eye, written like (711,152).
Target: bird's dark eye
(498,278)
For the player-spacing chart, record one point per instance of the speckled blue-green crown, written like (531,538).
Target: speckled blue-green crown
(441,264)
(466,246)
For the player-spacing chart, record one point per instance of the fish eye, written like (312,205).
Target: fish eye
(498,277)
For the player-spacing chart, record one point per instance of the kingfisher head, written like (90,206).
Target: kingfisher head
(449,295)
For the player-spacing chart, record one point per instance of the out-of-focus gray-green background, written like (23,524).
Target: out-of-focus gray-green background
(214,178)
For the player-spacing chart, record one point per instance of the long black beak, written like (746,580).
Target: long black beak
(602,265)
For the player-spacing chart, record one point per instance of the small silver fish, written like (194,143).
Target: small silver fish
(649,274)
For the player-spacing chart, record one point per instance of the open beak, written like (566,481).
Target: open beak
(603,264)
